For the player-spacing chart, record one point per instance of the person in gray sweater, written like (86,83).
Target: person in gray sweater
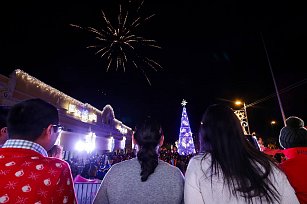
(144,179)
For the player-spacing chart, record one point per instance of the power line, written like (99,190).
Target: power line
(297,84)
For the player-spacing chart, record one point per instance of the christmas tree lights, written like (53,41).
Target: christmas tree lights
(186,143)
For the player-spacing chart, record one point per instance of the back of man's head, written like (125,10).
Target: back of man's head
(294,134)
(28,119)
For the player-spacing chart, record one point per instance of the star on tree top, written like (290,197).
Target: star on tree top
(184,102)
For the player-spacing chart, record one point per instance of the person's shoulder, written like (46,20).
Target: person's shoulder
(296,161)
(168,172)
(164,164)
(55,163)
(80,178)
(199,162)
(197,159)
(127,164)
(169,167)
(277,171)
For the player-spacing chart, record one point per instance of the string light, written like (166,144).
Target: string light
(84,111)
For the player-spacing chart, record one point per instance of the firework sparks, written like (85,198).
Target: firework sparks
(120,45)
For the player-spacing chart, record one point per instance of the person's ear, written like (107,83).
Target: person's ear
(3,131)
(48,132)
(161,140)
(45,137)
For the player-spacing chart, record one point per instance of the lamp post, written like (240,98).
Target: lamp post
(242,115)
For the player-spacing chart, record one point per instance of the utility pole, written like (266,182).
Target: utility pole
(275,85)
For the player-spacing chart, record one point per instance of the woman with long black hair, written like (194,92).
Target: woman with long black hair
(144,179)
(229,169)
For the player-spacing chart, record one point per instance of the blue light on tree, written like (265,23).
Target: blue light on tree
(185,144)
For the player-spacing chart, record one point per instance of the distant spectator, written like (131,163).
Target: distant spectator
(4,110)
(261,144)
(101,173)
(144,179)
(28,175)
(92,172)
(86,169)
(293,137)
(253,141)
(279,157)
(56,151)
(181,164)
(229,169)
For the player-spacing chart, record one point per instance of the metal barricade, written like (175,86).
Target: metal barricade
(86,192)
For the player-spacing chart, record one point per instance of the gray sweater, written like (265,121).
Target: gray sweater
(122,184)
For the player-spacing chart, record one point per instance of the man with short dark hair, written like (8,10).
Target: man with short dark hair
(27,174)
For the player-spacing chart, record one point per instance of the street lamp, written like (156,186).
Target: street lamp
(273,123)
(242,115)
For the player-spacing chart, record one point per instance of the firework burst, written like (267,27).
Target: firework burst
(119,44)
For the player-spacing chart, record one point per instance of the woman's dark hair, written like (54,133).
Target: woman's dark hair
(92,172)
(55,151)
(244,168)
(147,136)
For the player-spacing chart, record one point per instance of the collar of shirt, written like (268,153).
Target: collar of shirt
(25,144)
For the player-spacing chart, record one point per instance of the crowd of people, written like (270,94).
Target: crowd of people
(227,169)
(94,167)
(81,167)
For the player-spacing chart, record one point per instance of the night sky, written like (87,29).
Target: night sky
(212,52)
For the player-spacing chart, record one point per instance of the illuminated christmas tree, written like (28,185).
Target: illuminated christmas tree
(185,144)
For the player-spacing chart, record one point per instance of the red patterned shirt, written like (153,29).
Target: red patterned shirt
(28,176)
(295,167)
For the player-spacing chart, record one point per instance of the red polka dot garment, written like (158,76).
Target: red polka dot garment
(26,176)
